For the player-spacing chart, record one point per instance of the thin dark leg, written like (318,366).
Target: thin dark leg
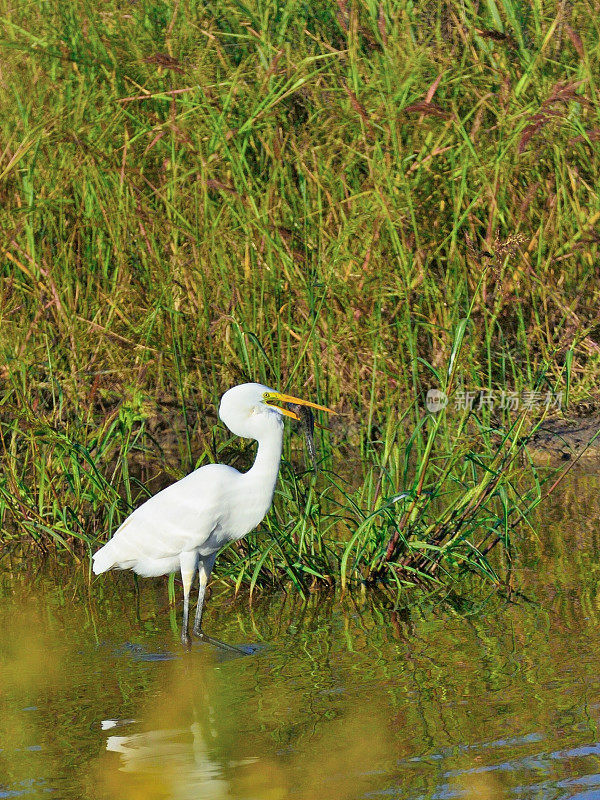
(136,587)
(185,632)
(204,569)
(188,563)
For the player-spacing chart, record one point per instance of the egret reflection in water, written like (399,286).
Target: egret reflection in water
(192,742)
(175,761)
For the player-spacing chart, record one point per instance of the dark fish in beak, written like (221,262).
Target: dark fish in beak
(300,410)
(307,423)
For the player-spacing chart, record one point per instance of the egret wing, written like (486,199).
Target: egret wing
(180,518)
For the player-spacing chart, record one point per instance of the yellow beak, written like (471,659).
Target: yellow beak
(270,397)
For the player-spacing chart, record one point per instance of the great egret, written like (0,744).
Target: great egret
(185,525)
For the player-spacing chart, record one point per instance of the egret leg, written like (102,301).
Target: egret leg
(205,566)
(188,562)
(204,569)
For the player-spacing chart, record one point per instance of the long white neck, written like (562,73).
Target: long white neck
(260,480)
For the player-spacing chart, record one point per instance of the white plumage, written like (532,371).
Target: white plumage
(185,525)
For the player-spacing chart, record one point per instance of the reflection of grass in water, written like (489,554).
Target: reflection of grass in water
(345,696)
(188,744)
(320,215)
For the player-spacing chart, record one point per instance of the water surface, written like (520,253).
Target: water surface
(448,698)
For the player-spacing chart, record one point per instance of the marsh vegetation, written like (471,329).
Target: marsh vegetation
(364,199)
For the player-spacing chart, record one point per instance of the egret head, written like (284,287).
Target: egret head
(251,409)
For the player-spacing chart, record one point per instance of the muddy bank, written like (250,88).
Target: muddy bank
(564,440)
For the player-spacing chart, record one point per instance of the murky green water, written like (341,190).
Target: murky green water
(495,699)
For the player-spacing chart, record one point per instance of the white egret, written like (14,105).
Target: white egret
(184,526)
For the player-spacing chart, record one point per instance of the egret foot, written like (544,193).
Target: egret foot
(217,643)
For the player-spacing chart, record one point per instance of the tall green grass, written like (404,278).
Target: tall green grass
(317,196)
